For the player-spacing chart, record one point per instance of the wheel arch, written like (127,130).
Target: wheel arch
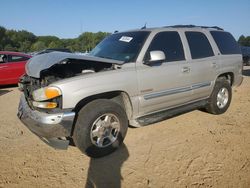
(120,97)
(229,76)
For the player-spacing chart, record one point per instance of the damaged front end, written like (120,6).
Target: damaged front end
(42,70)
(40,107)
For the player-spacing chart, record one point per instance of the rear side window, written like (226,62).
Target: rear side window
(15,58)
(170,43)
(226,42)
(199,45)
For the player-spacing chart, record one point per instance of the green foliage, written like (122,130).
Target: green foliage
(25,41)
(9,47)
(244,41)
(38,46)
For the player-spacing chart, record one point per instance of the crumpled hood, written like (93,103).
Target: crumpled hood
(44,61)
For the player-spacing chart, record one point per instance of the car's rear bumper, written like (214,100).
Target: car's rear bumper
(51,128)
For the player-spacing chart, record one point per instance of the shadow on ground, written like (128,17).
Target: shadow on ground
(4,91)
(246,72)
(106,171)
(8,86)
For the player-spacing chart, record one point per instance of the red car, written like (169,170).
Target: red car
(12,66)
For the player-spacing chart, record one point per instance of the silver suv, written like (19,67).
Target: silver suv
(132,78)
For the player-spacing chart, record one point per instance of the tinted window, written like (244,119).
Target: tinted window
(226,42)
(170,43)
(199,45)
(15,58)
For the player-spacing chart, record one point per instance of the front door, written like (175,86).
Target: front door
(164,84)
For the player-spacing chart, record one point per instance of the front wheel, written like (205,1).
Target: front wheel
(220,98)
(100,128)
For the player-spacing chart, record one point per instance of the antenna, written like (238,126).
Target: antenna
(145,26)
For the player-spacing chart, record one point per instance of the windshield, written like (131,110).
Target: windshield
(121,46)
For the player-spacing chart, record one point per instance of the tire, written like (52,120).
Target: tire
(220,98)
(100,128)
(248,62)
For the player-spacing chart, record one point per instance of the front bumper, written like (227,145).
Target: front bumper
(51,128)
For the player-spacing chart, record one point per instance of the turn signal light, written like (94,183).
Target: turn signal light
(46,105)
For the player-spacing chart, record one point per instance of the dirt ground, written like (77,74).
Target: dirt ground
(195,149)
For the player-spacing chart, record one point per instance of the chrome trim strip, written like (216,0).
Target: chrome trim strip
(200,85)
(167,92)
(175,91)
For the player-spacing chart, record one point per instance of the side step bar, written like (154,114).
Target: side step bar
(166,114)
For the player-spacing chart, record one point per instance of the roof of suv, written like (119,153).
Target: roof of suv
(180,27)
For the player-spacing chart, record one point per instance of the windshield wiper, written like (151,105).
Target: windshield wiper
(104,57)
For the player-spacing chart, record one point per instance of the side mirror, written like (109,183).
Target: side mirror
(156,56)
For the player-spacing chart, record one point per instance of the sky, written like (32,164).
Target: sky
(69,18)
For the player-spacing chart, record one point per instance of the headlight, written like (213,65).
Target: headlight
(46,93)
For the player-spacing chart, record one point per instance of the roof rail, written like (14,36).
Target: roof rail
(192,26)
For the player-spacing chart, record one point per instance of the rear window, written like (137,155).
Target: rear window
(226,42)
(199,45)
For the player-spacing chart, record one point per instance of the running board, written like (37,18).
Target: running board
(166,114)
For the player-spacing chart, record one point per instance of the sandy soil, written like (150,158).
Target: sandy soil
(195,149)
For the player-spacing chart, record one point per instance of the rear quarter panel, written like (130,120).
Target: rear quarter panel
(232,63)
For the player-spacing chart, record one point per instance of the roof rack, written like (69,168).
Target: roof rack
(192,26)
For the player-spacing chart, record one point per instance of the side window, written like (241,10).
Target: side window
(199,45)
(226,42)
(15,58)
(170,43)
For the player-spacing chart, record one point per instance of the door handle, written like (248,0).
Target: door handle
(185,70)
(3,67)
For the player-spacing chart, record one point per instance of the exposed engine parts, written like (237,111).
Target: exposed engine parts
(70,68)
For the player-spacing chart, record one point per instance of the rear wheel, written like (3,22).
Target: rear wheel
(100,128)
(248,62)
(220,98)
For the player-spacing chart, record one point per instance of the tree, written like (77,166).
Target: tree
(56,44)
(244,41)
(2,37)
(38,46)
(47,39)
(8,47)
(89,40)
(25,46)
(100,36)
(25,41)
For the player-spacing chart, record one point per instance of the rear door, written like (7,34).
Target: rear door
(12,69)
(164,84)
(203,64)
(17,65)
